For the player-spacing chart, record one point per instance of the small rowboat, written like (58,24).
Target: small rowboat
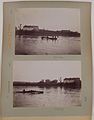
(51,38)
(30,91)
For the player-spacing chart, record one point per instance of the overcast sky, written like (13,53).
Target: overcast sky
(49,18)
(31,71)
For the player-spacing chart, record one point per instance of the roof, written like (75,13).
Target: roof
(29,26)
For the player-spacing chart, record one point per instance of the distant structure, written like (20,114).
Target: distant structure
(30,28)
(66,83)
(34,30)
(42,81)
(65,31)
(72,82)
(54,81)
(47,81)
(60,80)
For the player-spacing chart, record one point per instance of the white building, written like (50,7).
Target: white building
(29,28)
(71,80)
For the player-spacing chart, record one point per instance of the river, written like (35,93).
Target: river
(52,97)
(28,45)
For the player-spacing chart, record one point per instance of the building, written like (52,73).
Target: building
(29,28)
(42,81)
(54,81)
(47,81)
(69,80)
(72,82)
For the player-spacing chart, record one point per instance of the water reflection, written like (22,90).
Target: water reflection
(28,45)
(52,97)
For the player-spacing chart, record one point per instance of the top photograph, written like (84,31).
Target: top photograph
(47,31)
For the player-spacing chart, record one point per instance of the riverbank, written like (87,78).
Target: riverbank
(42,32)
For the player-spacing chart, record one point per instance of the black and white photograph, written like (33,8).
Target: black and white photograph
(47,31)
(47,84)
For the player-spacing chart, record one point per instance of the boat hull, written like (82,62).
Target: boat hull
(30,91)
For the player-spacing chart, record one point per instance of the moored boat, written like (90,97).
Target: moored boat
(30,91)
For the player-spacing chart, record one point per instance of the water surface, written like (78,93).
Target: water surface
(52,97)
(28,45)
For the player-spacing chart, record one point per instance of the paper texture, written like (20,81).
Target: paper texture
(42,60)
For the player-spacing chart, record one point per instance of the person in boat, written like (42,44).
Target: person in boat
(42,37)
(23,90)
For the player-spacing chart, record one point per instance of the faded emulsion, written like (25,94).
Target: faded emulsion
(51,97)
(46,93)
(47,31)
(30,40)
(47,83)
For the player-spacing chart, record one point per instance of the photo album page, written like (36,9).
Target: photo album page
(46,62)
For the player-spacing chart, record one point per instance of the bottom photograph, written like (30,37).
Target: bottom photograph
(46,83)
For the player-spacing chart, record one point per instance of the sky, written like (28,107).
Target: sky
(34,71)
(49,18)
